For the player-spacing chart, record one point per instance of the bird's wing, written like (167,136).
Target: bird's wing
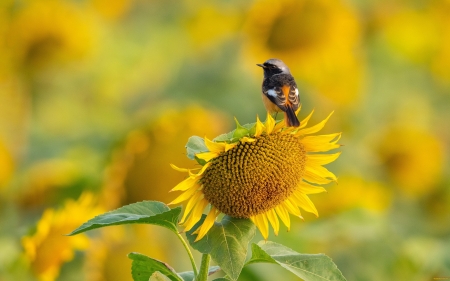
(293,97)
(276,96)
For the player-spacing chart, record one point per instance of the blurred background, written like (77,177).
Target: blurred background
(98,97)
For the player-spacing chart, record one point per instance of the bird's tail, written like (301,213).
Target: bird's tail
(290,118)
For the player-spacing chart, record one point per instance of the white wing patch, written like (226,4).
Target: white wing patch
(296,92)
(272,93)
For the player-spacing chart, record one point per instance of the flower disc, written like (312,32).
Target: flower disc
(254,177)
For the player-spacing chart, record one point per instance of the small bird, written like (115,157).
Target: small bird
(279,91)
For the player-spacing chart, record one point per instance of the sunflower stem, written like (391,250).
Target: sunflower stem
(204,268)
(191,257)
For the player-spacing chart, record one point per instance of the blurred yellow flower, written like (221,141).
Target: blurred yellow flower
(359,193)
(264,176)
(112,9)
(420,33)
(413,158)
(319,39)
(413,32)
(43,179)
(43,32)
(210,24)
(133,163)
(6,165)
(15,108)
(48,248)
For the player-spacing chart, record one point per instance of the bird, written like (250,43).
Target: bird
(279,91)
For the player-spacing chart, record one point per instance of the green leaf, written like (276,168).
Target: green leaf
(224,137)
(145,212)
(316,267)
(226,242)
(143,267)
(189,275)
(158,276)
(221,279)
(195,145)
(240,131)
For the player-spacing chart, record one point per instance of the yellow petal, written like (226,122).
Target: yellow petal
(190,204)
(179,169)
(259,128)
(305,203)
(195,215)
(321,143)
(207,224)
(312,177)
(304,122)
(207,155)
(214,146)
(315,128)
(307,188)
(185,195)
(322,159)
(247,139)
(202,170)
(262,224)
(298,110)
(270,124)
(292,208)
(284,216)
(185,184)
(229,146)
(321,172)
(273,219)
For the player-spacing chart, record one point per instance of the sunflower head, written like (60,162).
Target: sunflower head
(258,171)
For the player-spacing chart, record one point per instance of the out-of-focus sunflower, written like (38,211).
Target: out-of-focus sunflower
(112,10)
(259,171)
(413,159)
(441,62)
(6,165)
(418,32)
(15,107)
(44,32)
(133,174)
(401,25)
(48,248)
(44,180)
(318,39)
(359,193)
(209,24)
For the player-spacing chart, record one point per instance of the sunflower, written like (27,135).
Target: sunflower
(48,249)
(45,32)
(258,171)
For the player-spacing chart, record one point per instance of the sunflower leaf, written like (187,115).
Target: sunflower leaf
(189,275)
(195,145)
(226,242)
(145,212)
(144,268)
(240,131)
(318,267)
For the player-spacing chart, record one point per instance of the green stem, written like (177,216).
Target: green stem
(191,257)
(204,268)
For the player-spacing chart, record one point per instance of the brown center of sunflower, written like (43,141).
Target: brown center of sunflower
(255,177)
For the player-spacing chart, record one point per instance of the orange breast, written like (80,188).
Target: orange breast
(270,106)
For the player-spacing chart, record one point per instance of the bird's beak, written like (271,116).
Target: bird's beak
(260,65)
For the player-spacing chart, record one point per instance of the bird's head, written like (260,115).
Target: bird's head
(274,66)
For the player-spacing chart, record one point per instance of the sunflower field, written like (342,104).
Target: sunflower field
(110,104)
